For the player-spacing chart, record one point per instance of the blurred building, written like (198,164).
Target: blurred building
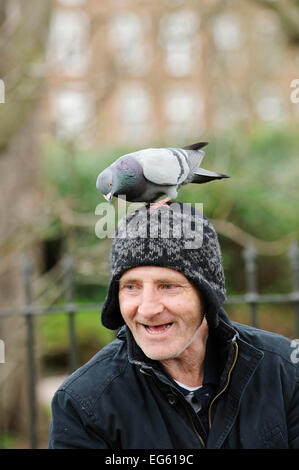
(132,71)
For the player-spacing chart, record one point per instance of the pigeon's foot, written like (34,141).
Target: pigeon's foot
(161,203)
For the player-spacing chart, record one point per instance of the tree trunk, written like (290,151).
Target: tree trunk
(23,30)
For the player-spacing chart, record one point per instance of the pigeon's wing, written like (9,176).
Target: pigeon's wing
(195,155)
(197,146)
(164,167)
(204,176)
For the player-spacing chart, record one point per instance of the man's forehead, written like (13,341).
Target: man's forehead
(154,273)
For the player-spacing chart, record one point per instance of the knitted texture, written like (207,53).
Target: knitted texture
(178,237)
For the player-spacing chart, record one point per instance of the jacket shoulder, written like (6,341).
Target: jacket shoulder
(266,341)
(89,382)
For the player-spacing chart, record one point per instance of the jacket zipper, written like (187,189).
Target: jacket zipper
(192,422)
(215,398)
(225,386)
(195,430)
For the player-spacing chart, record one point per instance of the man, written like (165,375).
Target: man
(179,374)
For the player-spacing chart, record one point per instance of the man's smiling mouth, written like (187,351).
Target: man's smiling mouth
(158,329)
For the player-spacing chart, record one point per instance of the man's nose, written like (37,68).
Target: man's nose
(150,303)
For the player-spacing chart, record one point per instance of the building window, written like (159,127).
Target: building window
(269,103)
(72,3)
(73,112)
(184,110)
(127,37)
(178,37)
(227,32)
(68,51)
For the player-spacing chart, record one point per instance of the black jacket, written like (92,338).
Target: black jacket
(122,400)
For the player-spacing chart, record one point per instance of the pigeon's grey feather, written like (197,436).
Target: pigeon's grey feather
(170,168)
(145,175)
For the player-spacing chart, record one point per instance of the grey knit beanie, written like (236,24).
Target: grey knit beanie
(178,237)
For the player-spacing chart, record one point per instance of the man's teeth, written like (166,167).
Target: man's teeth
(158,328)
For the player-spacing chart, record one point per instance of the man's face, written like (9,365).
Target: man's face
(162,309)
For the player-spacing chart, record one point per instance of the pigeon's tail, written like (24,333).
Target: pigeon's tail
(204,176)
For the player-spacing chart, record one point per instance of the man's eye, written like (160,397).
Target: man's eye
(129,287)
(168,286)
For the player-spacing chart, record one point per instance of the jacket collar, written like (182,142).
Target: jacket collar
(240,361)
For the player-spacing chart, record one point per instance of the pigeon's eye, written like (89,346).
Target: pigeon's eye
(110,184)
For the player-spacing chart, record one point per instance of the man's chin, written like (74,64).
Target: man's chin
(160,355)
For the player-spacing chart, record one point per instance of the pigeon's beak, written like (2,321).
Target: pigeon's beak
(108,197)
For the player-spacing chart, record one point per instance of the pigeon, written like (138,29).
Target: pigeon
(148,174)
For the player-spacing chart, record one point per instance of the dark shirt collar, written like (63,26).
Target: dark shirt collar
(211,362)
